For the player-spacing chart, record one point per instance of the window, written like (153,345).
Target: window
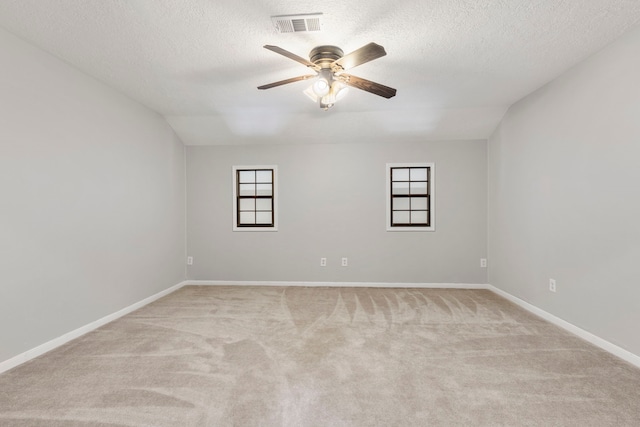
(410,197)
(254,198)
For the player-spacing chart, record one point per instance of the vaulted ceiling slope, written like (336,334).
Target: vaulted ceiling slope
(457,64)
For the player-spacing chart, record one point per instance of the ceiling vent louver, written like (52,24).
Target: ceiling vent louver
(298,23)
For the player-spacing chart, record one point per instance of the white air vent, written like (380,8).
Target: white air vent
(297,23)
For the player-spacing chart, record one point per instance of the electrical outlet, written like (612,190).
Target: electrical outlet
(323,262)
(483,262)
(189,260)
(552,285)
(345,262)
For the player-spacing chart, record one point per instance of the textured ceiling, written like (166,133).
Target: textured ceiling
(457,64)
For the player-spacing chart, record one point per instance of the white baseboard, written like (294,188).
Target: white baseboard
(335,284)
(57,342)
(587,336)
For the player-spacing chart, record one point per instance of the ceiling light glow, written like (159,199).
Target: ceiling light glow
(321,86)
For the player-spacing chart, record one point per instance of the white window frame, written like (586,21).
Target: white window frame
(431,192)
(234,170)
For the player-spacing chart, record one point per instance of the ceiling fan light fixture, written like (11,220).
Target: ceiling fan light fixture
(321,86)
(330,81)
(340,89)
(311,94)
(336,92)
(325,107)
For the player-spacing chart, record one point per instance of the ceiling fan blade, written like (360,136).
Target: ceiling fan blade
(360,56)
(287,81)
(369,86)
(293,56)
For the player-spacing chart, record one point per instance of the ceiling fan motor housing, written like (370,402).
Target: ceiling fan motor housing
(323,56)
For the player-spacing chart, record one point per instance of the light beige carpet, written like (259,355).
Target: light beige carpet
(276,356)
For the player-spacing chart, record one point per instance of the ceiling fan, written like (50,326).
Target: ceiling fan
(330,64)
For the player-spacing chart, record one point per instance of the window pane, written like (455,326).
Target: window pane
(400,217)
(419,217)
(263,204)
(247,190)
(418,174)
(263,176)
(263,217)
(400,203)
(247,176)
(418,188)
(247,217)
(409,202)
(247,204)
(400,174)
(419,203)
(254,208)
(263,189)
(399,188)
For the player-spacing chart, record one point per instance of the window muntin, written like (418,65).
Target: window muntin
(410,203)
(254,198)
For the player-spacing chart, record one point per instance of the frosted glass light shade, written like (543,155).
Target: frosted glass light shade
(321,87)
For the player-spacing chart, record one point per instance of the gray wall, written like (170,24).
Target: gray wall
(91,200)
(564,183)
(332,204)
